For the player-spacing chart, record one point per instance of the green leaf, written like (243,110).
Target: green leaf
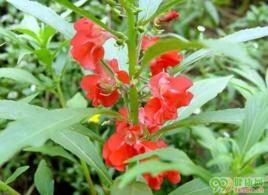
(46,15)
(212,11)
(77,101)
(13,110)
(35,130)
(87,132)
(228,116)
(255,121)
(148,7)
(86,14)
(216,146)
(83,148)
(16,174)
(52,151)
(178,161)
(237,37)
(19,75)
(134,188)
(256,150)
(203,91)
(43,179)
(194,187)
(231,49)
(166,45)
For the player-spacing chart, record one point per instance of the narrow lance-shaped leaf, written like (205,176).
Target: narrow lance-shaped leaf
(178,161)
(148,8)
(83,148)
(255,121)
(16,174)
(20,75)
(44,14)
(228,116)
(166,45)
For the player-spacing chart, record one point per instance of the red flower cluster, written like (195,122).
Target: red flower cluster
(88,50)
(103,87)
(165,60)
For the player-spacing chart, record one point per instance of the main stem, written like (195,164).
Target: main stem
(132,55)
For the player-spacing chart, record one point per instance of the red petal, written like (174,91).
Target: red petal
(109,100)
(89,81)
(123,76)
(148,41)
(115,141)
(173,176)
(153,182)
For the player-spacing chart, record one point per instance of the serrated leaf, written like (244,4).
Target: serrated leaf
(166,45)
(134,188)
(83,148)
(43,179)
(228,116)
(203,91)
(255,121)
(194,187)
(19,75)
(16,174)
(44,14)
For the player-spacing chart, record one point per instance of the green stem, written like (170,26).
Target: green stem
(60,95)
(88,178)
(6,188)
(132,55)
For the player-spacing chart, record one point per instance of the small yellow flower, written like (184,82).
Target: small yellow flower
(95,118)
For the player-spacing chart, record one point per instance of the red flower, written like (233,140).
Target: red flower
(116,151)
(101,88)
(155,182)
(165,60)
(173,90)
(88,43)
(121,145)
(157,112)
(168,59)
(169,16)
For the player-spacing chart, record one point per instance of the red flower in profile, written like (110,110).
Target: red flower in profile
(173,90)
(165,60)
(102,88)
(148,41)
(155,181)
(88,43)
(169,16)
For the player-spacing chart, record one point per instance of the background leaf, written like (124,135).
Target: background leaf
(20,75)
(16,174)
(43,179)
(46,15)
(255,121)
(194,187)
